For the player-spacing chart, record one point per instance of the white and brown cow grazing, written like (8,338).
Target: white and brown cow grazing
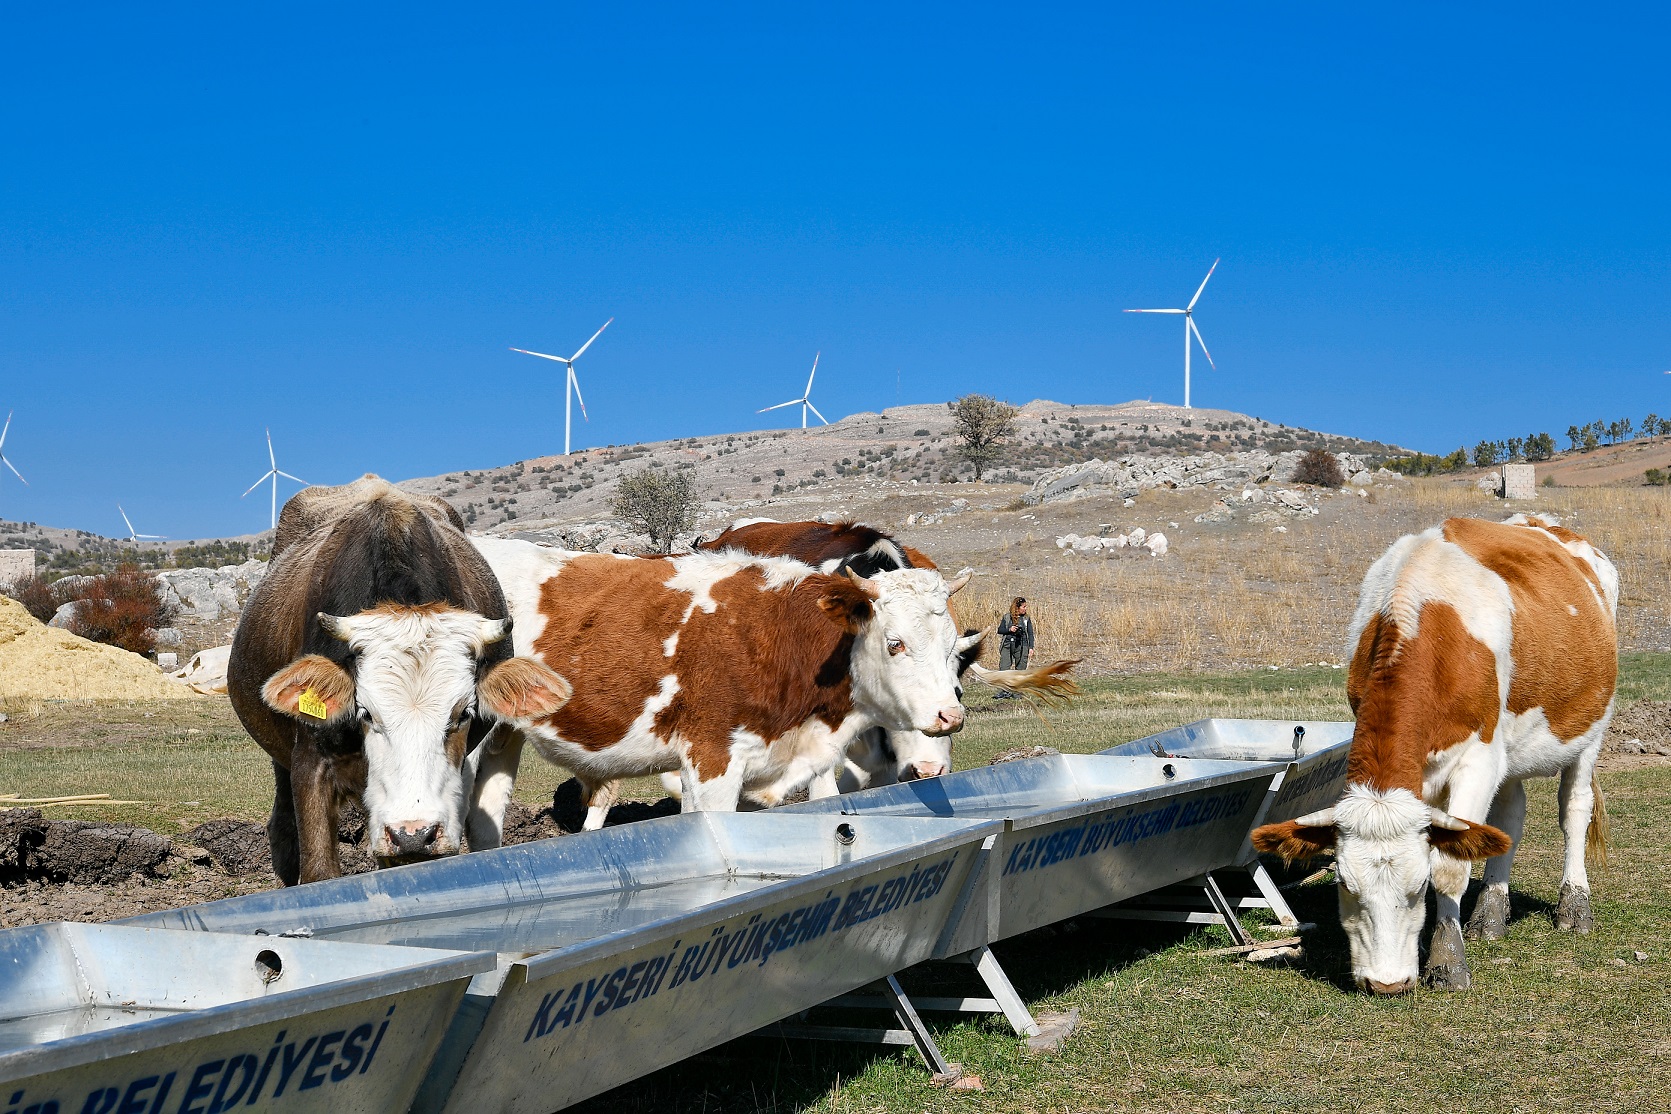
(368,662)
(742,673)
(1483,654)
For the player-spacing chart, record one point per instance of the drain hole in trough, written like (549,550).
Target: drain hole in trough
(269,966)
(845,834)
(1169,771)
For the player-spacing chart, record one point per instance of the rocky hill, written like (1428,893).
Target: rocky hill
(863,454)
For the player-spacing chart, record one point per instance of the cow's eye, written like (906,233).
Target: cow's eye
(895,646)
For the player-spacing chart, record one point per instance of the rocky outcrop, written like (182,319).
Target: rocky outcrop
(1131,475)
(210,593)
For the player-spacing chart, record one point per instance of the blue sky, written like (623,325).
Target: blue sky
(1438,223)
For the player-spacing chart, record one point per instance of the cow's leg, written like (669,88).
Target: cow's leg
(312,786)
(1491,913)
(600,797)
(824,785)
(718,794)
(1447,960)
(281,830)
(493,768)
(1578,809)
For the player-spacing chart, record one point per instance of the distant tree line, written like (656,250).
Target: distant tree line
(1536,447)
(1584,438)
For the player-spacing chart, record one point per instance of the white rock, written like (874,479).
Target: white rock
(1066,540)
(1137,535)
(61,618)
(1156,545)
(1130,503)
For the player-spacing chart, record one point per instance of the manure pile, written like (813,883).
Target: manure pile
(38,662)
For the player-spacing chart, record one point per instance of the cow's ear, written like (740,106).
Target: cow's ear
(1471,843)
(1293,841)
(845,604)
(313,689)
(522,689)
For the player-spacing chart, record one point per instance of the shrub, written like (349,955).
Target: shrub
(1655,477)
(980,424)
(36,595)
(121,608)
(1319,467)
(660,503)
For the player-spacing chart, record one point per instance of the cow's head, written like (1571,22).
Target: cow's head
(412,688)
(905,647)
(1387,845)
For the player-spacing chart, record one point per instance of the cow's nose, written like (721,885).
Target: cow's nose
(1388,989)
(949,720)
(412,840)
(926,769)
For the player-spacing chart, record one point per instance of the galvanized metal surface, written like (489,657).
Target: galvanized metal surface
(628,949)
(1315,775)
(1080,831)
(102,1018)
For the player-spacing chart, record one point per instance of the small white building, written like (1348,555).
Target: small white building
(1520,481)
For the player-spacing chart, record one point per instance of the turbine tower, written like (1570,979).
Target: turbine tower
(3,431)
(572,384)
(805,401)
(132,536)
(273,474)
(1189,326)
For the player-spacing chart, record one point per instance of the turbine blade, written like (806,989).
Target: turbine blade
(541,355)
(815,355)
(124,515)
(821,417)
(1203,285)
(7,429)
(574,380)
(270,458)
(588,344)
(1197,330)
(256,484)
(288,476)
(15,472)
(1157,311)
(781,405)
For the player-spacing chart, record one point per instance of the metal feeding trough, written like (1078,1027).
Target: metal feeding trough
(628,949)
(102,1019)
(1313,753)
(1081,832)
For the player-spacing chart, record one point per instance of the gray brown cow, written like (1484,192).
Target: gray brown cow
(369,663)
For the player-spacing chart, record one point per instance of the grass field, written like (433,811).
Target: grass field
(1554,1022)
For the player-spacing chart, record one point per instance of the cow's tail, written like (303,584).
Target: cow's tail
(1048,683)
(1595,837)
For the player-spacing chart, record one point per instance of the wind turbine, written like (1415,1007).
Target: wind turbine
(3,431)
(1189,326)
(133,537)
(273,474)
(572,384)
(805,401)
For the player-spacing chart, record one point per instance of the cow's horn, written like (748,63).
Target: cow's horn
(1442,819)
(335,626)
(868,587)
(492,630)
(1322,819)
(956,585)
(969,641)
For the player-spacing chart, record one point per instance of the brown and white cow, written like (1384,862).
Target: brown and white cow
(368,662)
(741,672)
(1483,654)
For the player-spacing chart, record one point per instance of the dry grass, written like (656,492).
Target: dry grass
(1250,596)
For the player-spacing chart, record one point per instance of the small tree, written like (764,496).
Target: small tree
(660,502)
(1319,467)
(121,608)
(1485,454)
(1576,436)
(1540,446)
(981,424)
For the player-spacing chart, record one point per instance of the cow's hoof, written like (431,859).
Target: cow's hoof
(1491,916)
(1447,964)
(1573,914)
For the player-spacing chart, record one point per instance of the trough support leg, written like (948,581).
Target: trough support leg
(1226,912)
(909,1020)
(1272,895)
(1003,992)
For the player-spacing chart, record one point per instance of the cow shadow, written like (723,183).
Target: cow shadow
(568,809)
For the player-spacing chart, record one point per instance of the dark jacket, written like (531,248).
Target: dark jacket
(1020,633)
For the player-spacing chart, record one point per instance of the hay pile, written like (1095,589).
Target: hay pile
(39,662)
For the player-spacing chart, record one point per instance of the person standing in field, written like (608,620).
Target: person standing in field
(1015,636)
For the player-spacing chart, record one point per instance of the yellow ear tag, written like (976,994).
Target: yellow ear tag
(309,704)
